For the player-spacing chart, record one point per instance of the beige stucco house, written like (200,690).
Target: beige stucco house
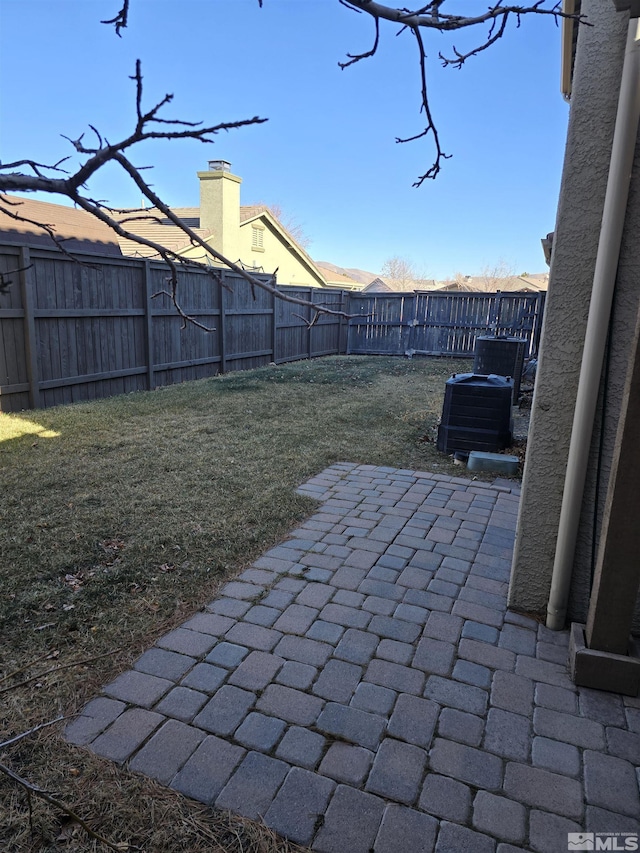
(577,553)
(250,236)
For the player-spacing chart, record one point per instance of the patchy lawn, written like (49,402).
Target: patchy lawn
(121,517)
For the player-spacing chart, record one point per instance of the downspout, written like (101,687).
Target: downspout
(611,230)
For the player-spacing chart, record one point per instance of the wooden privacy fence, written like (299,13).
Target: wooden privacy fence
(430,323)
(79,330)
(75,330)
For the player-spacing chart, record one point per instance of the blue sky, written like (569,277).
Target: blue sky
(327,156)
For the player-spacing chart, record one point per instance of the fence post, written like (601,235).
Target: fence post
(148,318)
(30,341)
(274,336)
(347,337)
(539,317)
(309,326)
(221,335)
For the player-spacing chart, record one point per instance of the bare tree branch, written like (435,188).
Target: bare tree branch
(96,156)
(49,229)
(432,17)
(353,58)
(32,176)
(30,788)
(121,19)
(32,731)
(36,166)
(6,277)
(55,669)
(433,170)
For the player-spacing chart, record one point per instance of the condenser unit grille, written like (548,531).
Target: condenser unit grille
(476,414)
(502,356)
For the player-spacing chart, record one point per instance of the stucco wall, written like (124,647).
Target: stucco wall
(593,109)
(275,256)
(625,314)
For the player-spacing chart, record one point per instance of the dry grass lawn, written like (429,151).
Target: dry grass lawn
(121,517)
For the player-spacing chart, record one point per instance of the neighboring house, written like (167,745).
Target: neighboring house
(509,284)
(464,284)
(361,277)
(334,278)
(378,285)
(80,231)
(579,524)
(249,236)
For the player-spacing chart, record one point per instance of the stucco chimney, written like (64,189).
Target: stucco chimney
(220,207)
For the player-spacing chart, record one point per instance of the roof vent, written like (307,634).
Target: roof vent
(219,166)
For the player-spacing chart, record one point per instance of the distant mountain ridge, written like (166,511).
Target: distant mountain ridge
(361,276)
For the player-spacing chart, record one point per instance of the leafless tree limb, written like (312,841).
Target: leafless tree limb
(5,207)
(32,176)
(102,152)
(433,170)
(30,788)
(121,19)
(55,669)
(36,166)
(356,57)
(32,731)
(309,323)
(7,276)
(432,17)
(496,31)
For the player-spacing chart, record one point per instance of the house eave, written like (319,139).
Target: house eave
(569,32)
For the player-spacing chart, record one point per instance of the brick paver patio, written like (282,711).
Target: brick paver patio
(364,687)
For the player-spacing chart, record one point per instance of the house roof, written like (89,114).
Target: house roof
(338,279)
(159,229)
(379,285)
(568,51)
(80,231)
(250,211)
(507,284)
(154,225)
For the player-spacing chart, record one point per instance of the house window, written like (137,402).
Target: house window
(257,238)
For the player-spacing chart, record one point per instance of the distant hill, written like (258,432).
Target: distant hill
(362,276)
